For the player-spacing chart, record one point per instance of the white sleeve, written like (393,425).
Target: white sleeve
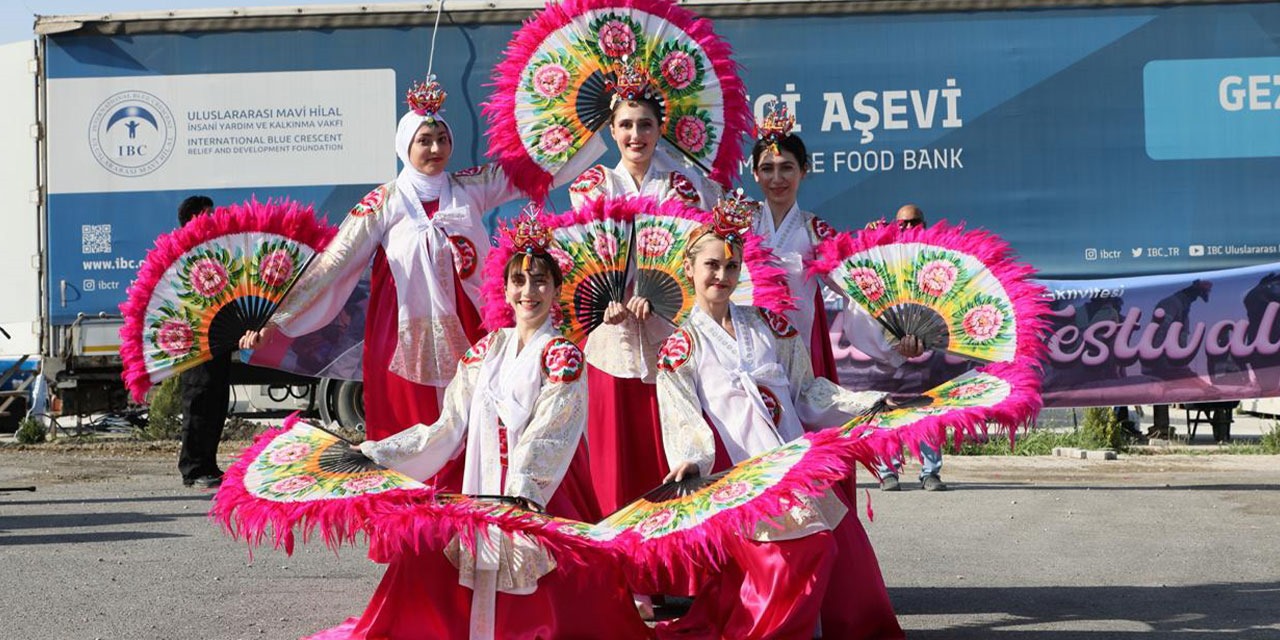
(547,445)
(686,436)
(819,402)
(421,451)
(326,285)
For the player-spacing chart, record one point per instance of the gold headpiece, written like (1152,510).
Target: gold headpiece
(528,235)
(630,81)
(426,98)
(775,125)
(731,218)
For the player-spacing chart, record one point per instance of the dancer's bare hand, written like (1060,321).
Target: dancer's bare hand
(251,339)
(615,313)
(529,505)
(685,470)
(640,308)
(910,346)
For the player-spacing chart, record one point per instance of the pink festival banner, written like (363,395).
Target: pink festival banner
(1198,337)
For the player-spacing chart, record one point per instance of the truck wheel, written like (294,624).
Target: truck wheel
(350,403)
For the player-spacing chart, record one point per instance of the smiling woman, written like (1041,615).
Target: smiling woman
(736,382)
(515,414)
(425,238)
(622,353)
(532,289)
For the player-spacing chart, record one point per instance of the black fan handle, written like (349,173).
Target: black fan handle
(689,156)
(626,268)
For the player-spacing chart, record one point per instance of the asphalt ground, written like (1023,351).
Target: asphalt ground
(110,545)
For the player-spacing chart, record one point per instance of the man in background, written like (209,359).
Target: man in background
(206,392)
(908,216)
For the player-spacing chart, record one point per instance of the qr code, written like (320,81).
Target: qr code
(95,238)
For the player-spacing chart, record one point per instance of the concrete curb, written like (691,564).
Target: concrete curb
(1084,454)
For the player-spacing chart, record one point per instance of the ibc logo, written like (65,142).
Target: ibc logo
(132,133)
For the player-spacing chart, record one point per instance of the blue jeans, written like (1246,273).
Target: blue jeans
(931,465)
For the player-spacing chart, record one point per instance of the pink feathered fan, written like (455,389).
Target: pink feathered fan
(555,86)
(205,284)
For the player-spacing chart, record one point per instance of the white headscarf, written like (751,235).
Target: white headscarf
(425,187)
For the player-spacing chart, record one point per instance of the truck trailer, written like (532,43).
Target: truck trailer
(1102,139)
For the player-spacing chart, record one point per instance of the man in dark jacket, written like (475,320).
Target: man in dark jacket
(206,392)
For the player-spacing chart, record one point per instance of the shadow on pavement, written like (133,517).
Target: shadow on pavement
(204,496)
(90,536)
(65,520)
(1243,610)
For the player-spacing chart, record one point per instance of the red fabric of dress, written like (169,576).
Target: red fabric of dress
(391,403)
(832,576)
(419,597)
(624,436)
(820,351)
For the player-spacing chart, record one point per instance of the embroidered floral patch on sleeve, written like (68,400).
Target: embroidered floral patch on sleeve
(771,403)
(478,350)
(465,256)
(821,229)
(675,351)
(590,180)
(778,324)
(684,188)
(562,361)
(371,203)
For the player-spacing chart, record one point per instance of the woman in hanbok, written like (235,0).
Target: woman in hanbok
(515,413)
(734,382)
(622,425)
(426,238)
(779,162)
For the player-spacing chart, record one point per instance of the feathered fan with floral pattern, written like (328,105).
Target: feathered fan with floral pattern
(301,478)
(957,290)
(594,245)
(662,236)
(205,284)
(691,521)
(563,69)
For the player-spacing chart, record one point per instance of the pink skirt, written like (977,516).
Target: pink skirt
(770,590)
(851,601)
(420,598)
(857,603)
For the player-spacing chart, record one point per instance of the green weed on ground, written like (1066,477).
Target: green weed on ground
(164,419)
(1029,443)
(1267,445)
(30,431)
(1270,442)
